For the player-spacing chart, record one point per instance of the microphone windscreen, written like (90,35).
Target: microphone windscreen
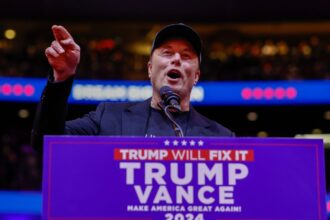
(169,97)
(165,90)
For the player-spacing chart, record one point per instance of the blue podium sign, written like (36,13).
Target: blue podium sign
(192,178)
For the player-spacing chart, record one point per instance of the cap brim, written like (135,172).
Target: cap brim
(178,31)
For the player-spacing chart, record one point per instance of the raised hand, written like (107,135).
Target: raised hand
(63,54)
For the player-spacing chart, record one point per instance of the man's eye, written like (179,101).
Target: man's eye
(186,55)
(167,52)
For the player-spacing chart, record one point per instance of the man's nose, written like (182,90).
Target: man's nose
(176,59)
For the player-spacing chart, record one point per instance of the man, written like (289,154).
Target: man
(174,62)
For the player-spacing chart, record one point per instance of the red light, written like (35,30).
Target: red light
(106,44)
(279,93)
(6,89)
(18,89)
(246,93)
(29,90)
(269,93)
(258,93)
(291,92)
(328,206)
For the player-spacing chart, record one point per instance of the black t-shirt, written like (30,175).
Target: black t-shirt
(160,125)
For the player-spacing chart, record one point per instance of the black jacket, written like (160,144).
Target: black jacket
(124,119)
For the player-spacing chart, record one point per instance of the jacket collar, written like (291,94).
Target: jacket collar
(135,120)
(197,125)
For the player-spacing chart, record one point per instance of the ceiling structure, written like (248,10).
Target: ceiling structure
(170,10)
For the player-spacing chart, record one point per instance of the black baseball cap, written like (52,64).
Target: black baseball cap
(179,30)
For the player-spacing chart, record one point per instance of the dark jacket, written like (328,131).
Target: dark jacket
(124,119)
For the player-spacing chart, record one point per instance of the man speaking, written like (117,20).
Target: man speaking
(173,69)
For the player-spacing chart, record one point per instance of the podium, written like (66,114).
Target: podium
(190,178)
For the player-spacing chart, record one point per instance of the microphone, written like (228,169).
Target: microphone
(170,98)
(171,101)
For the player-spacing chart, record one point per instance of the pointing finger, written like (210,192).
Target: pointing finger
(60,33)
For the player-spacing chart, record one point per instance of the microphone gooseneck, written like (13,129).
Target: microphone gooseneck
(171,102)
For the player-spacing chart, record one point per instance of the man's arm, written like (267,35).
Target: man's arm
(51,111)
(63,55)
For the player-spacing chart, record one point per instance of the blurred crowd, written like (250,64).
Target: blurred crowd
(19,163)
(295,58)
(226,57)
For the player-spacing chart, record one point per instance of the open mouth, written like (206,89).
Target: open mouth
(174,74)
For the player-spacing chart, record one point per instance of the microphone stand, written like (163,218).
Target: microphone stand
(176,127)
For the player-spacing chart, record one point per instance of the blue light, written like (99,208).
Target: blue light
(205,93)
(20,202)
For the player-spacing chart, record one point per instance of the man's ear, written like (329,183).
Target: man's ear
(197,75)
(149,68)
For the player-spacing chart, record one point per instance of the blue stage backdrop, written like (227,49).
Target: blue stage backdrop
(205,93)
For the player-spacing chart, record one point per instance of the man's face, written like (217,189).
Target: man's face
(175,64)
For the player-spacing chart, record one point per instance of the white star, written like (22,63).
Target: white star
(184,143)
(175,143)
(167,143)
(192,143)
(200,143)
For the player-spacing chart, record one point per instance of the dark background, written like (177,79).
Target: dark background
(170,10)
